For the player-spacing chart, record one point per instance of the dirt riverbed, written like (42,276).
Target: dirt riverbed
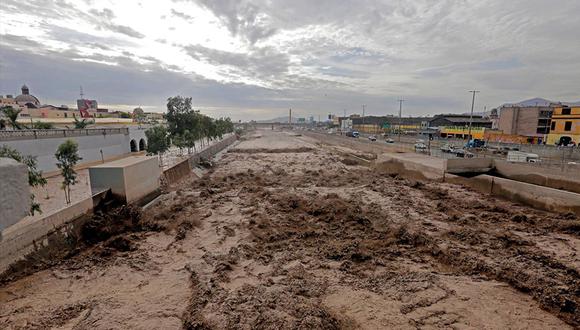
(285,232)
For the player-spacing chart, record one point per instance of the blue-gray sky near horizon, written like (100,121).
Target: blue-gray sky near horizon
(255,59)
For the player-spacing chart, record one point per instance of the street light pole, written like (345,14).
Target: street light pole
(471,115)
(363,117)
(400,117)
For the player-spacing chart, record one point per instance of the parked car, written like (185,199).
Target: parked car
(389,140)
(447,148)
(372,138)
(420,147)
(461,153)
(475,143)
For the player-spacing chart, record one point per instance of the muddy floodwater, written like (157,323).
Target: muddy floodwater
(286,232)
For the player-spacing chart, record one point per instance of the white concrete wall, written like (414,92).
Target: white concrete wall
(89,148)
(129,179)
(14,192)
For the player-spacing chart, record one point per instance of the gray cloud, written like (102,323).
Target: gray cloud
(313,56)
(103,19)
(181,15)
(242,18)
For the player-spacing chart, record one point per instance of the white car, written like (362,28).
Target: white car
(372,138)
(420,147)
(389,140)
(448,148)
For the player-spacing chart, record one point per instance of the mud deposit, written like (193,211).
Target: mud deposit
(286,233)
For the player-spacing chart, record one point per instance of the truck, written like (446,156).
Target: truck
(475,143)
(353,134)
(522,157)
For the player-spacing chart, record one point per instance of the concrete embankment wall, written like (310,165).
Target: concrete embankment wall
(468,165)
(540,197)
(14,192)
(90,147)
(539,176)
(24,238)
(183,168)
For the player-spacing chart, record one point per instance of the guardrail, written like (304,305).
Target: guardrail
(31,134)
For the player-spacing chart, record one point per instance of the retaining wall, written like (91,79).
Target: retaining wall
(112,144)
(540,197)
(539,176)
(24,238)
(14,192)
(183,168)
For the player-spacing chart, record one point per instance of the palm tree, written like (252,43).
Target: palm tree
(12,115)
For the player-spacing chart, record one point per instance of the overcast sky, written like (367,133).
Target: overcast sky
(256,59)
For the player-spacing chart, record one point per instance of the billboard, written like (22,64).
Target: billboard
(85,105)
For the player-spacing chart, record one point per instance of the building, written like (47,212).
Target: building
(389,124)
(565,125)
(453,120)
(26,99)
(532,121)
(457,126)
(494,118)
(9,101)
(48,111)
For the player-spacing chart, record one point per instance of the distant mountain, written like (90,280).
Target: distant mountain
(538,101)
(278,120)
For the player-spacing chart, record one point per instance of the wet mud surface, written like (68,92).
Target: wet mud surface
(307,236)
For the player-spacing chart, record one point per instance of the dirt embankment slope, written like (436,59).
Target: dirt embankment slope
(286,233)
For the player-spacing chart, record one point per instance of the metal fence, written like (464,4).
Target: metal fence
(30,134)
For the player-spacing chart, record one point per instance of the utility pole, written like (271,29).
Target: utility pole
(401,100)
(363,116)
(471,115)
(290,117)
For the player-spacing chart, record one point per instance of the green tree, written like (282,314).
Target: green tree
(12,115)
(67,157)
(179,142)
(42,125)
(81,124)
(157,141)
(190,139)
(180,115)
(139,115)
(35,177)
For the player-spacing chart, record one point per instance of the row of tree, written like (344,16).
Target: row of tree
(185,127)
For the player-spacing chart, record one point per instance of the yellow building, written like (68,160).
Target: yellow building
(462,132)
(565,125)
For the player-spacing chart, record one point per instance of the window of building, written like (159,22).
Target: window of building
(566,111)
(553,126)
(568,126)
